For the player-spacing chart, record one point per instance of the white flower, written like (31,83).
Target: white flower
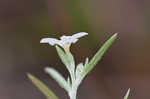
(65,41)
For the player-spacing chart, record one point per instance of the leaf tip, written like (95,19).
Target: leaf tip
(128,91)
(115,35)
(127,94)
(46,69)
(29,75)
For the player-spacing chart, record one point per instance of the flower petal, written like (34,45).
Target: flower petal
(73,40)
(51,41)
(78,35)
(65,37)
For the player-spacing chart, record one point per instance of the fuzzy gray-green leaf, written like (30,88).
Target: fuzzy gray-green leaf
(79,70)
(127,94)
(71,60)
(99,55)
(58,77)
(63,56)
(42,87)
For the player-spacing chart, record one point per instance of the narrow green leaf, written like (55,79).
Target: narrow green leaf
(99,55)
(58,77)
(86,61)
(127,94)
(62,56)
(67,59)
(79,70)
(71,60)
(42,87)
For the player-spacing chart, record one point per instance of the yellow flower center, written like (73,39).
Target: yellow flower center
(67,47)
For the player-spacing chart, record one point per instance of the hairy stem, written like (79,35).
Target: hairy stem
(73,91)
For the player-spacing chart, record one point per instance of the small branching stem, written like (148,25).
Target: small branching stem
(73,90)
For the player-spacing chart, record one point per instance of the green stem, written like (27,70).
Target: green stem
(72,94)
(73,91)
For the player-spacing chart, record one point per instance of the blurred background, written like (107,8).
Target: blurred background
(125,65)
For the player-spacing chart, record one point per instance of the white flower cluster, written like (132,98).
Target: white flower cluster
(64,40)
